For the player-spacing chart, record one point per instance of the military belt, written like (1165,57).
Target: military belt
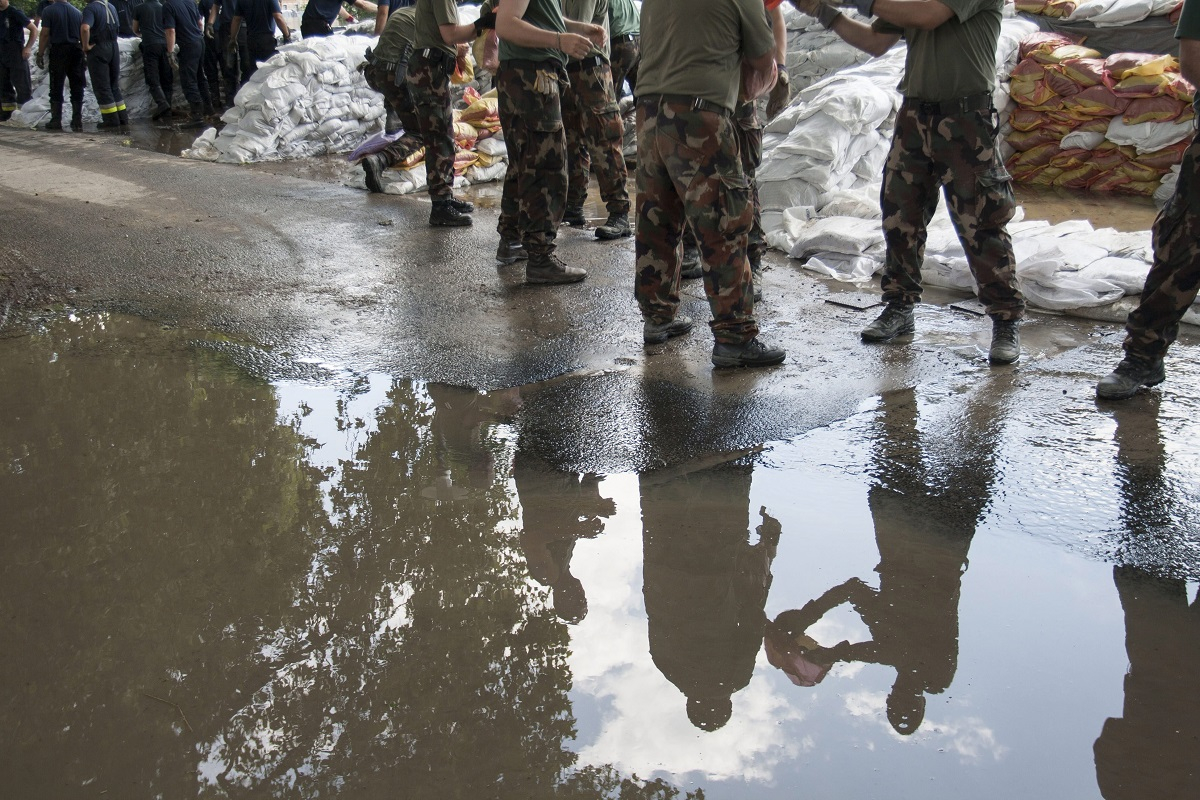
(624,37)
(439,57)
(696,103)
(959,105)
(590,61)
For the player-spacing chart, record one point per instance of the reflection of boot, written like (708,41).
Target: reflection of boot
(55,123)
(77,117)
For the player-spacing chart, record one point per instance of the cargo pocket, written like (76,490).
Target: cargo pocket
(544,112)
(994,201)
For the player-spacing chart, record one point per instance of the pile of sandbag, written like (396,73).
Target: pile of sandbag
(814,52)
(1101,13)
(133,89)
(1083,122)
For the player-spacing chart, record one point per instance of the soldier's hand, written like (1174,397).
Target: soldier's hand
(40,59)
(779,96)
(574,45)
(597,35)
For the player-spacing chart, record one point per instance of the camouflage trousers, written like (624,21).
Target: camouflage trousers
(398,97)
(1174,277)
(956,155)
(749,131)
(689,170)
(535,185)
(429,83)
(624,53)
(594,137)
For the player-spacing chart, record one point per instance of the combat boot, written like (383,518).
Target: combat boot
(510,251)
(896,320)
(161,111)
(691,268)
(77,117)
(373,166)
(574,217)
(753,353)
(444,214)
(55,123)
(615,227)
(461,206)
(548,268)
(108,121)
(1130,375)
(1006,341)
(659,332)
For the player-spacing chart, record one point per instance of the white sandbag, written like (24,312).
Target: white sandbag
(845,235)
(1066,292)
(1084,140)
(1147,137)
(1127,273)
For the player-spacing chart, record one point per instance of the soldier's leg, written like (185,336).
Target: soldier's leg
(707,172)
(660,220)
(429,84)
(8,93)
(579,160)
(750,146)
(508,88)
(980,199)
(77,78)
(1174,278)
(908,198)
(22,81)
(98,71)
(605,133)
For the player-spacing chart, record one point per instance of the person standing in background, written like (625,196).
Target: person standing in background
(15,83)
(624,44)
(60,33)
(156,67)
(98,38)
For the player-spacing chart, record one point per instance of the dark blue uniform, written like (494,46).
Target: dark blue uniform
(15,85)
(160,78)
(61,21)
(318,17)
(183,17)
(212,56)
(259,21)
(236,65)
(104,62)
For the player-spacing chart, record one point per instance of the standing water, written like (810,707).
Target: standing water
(226,574)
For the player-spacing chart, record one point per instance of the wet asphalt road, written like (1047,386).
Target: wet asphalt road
(325,276)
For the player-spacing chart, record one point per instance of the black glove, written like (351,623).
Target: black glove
(485,22)
(40,59)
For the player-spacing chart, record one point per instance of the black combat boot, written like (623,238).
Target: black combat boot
(547,268)
(1131,375)
(574,217)
(510,251)
(461,206)
(1006,341)
(896,320)
(108,121)
(444,214)
(754,353)
(373,167)
(615,227)
(55,123)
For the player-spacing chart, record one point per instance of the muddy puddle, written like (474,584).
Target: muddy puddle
(226,575)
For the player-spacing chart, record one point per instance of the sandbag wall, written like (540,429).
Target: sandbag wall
(1102,13)
(1082,122)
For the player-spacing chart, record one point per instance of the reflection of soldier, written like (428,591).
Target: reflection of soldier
(458,420)
(925,519)
(705,585)
(557,509)
(1151,750)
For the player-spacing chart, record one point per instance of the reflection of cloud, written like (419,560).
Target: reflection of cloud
(969,736)
(611,663)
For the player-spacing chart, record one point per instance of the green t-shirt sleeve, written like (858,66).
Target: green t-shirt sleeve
(756,31)
(1189,21)
(965,9)
(446,12)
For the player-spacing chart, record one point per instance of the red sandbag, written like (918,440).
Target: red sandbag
(1029,68)
(1022,119)
(1027,140)
(1022,174)
(1033,94)
(1099,101)
(1046,177)
(1108,181)
(1042,41)
(1167,157)
(1064,53)
(1079,177)
(1035,156)
(1141,86)
(1071,159)
(1122,65)
(1059,82)
(1153,109)
(1093,125)
(1109,156)
(1087,72)
(1180,88)
(1143,188)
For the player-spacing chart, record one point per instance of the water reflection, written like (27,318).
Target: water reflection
(705,585)
(1151,750)
(191,607)
(925,507)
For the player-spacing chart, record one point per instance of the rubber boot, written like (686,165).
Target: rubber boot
(108,121)
(123,121)
(55,123)
(161,111)
(77,117)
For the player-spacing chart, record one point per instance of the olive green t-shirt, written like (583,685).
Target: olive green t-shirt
(1189,21)
(622,18)
(544,14)
(400,31)
(955,59)
(593,11)
(699,46)
(431,15)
